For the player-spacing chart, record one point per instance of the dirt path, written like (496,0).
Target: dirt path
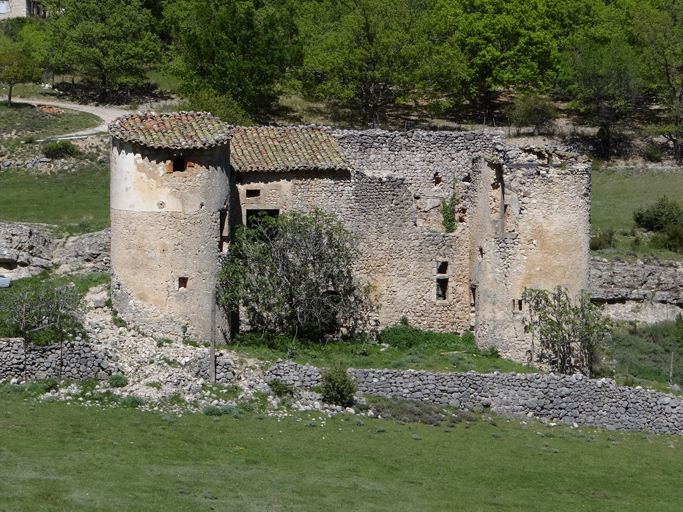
(106,114)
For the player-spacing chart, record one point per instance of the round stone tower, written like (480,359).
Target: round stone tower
(170,189)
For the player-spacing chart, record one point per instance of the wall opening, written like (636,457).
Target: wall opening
(442,267)
(437,179)
(519,304)
(179,164)
(442,289)
(481,252)
(182,282)
(253,192)
(223,239)
(473,295)
(253,215)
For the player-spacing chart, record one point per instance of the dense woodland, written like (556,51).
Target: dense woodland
(501,62)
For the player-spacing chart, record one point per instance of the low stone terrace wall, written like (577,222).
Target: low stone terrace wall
(567,399)
(75,360)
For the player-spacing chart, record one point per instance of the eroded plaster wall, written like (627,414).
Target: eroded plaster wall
(167,232)
(399,257)
(530,228)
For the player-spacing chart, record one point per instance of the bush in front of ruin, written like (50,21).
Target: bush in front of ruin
(293,275)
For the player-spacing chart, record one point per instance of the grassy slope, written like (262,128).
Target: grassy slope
(420,358)
(616,195)
(65,457)
(61,198)
(24,119)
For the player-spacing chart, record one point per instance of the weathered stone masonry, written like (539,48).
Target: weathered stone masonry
(75,360)
(569,399)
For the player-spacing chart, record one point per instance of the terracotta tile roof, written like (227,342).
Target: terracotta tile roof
(178,130)
(271,148)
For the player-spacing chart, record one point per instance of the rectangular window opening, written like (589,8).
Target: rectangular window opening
(519,305)
(473,292)
(182,283)
(179,164)
(223,235)
(442,267)
(442,289)
(253,192)
(3,7)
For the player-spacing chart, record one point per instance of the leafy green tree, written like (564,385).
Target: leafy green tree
(17,67)
(222,106)
(507,44)
(292,274)
(370,54)
(659,27)
(568,329)
(108,41)
(239,48)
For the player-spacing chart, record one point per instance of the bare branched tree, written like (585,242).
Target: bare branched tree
(568,329)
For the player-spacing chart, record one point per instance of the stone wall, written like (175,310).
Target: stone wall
(639,292)
(69,360)
(567,399)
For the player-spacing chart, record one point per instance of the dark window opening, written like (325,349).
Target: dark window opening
(441,289)
(179,164)
(437,178)
(519,305)
(223,235)
(253,192)
(182,282)
(473,291)
(442,267)
(481,252)
(254,215)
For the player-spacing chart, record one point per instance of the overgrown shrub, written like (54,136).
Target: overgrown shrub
(118,381)
(60,149)
(132,401)
(569,329)
(280,389)
(40,310)
(532,109)
(406,336)
(653,152)
(212,410)
(658,216)
(338,387)
(603,240)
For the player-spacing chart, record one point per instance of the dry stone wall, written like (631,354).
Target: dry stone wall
(75,360)
(568,399)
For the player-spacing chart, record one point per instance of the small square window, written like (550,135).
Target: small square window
(253,192)
(182,283)
(179,164)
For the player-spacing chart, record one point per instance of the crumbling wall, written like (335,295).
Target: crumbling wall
(529,215)
(167,233)
(399,258)
(429,162)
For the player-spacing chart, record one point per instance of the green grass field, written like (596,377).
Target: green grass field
(62,198)
(60,457)
(616,194)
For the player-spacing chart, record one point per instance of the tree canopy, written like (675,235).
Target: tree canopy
(110,42)
(241,48)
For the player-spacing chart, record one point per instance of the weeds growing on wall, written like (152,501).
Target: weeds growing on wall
(448,212)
